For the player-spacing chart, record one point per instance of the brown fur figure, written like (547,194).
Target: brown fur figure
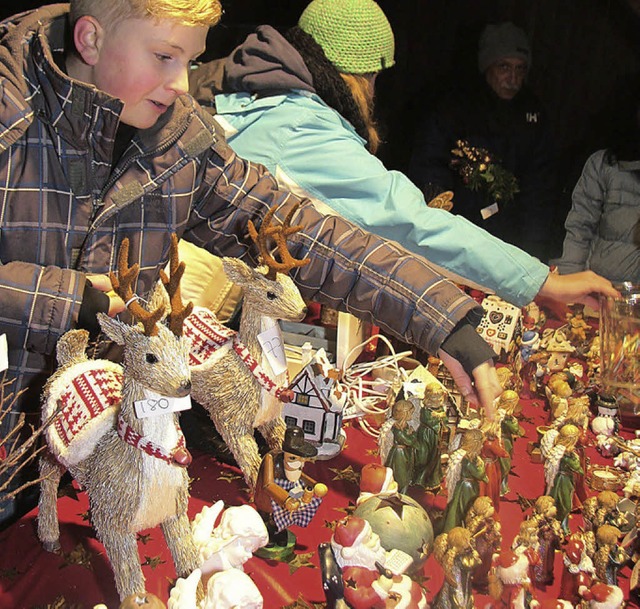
(232,383)
(133,469)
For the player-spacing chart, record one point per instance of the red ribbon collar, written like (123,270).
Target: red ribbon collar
(178,456)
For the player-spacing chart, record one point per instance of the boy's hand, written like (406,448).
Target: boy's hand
(103,283)
(482,390)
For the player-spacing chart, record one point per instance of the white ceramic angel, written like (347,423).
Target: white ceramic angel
(230,589)
(229,545)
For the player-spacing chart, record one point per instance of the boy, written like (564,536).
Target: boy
(99,141)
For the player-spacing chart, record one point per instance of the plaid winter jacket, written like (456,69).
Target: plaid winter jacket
(65,209)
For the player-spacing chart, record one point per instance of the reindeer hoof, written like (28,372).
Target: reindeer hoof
(52,546)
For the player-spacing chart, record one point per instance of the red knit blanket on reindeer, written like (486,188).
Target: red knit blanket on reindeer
(86,397)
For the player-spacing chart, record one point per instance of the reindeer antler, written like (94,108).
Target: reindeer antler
(123,287)
(279,235)
(179,312)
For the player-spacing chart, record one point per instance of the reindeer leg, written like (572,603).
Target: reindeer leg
(243,447)
(273,432)
(177,532)
(122,551)
(48,526)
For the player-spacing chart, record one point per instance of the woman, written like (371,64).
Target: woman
(603,225)
(302,104)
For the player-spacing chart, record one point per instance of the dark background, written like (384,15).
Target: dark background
(585,54)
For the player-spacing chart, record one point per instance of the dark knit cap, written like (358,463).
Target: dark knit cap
(500,41)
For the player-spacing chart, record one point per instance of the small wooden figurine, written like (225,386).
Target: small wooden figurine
(603,596)
(284,494)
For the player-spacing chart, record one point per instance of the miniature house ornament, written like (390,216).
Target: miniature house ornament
(317,405)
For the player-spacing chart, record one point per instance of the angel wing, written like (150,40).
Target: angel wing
(183,594)
(204,522)
(548,441)
(385,439)
(552,465)
(453,471)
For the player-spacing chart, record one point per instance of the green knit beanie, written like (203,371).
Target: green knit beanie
(354,34)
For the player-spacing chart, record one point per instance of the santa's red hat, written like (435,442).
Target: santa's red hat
(603,596)
(506,559)
(351,531)
(375,478)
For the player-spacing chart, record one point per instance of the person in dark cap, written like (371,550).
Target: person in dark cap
(489,142)
(284,494)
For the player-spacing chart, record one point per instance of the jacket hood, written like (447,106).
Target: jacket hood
(266,63)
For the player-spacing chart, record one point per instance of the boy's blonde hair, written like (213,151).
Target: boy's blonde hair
(186,12)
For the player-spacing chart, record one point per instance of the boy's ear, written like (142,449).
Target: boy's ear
(88,35)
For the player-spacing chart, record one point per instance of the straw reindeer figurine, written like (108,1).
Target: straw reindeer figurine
(133,469)
(228,379)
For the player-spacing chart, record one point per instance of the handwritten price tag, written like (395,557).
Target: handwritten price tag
(273,347)
(155,404)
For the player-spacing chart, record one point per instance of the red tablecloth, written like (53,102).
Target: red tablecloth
(81,577)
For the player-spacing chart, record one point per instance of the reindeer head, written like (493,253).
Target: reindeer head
(156,357)
(268,289)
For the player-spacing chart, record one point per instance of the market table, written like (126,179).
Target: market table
(81,577)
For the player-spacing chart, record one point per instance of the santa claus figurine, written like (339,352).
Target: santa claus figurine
(602,596)
(578,569)
(366,583)
(509,581)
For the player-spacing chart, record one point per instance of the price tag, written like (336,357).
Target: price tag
(273,347)
(489,211)
(4,353)
(155,404)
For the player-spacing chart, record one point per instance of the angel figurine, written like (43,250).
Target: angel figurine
(510,430)
(455,552)
(561,463)
(433,419)
(550,535)
(610,555)
(492,451)
(464,474)
(603,509)
(398,443)
(487,533)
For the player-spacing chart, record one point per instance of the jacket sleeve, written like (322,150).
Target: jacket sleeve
(350,270)
(321,159)
(584,216)
(38,304)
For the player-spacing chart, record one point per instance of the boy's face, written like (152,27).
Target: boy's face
(146,64)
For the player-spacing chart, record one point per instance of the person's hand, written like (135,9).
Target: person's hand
(583,287)
(482,390)
(103,283)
